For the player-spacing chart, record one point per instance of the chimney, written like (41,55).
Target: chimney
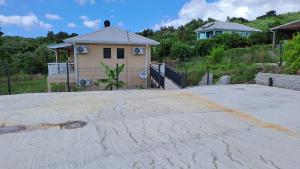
(106,23)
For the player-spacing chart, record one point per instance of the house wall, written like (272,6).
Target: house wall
(89,64)
(203,35)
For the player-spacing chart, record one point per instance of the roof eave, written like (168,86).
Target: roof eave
(257,30)
(114,42)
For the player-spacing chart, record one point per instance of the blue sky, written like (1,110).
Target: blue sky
(131,14)
(31,18)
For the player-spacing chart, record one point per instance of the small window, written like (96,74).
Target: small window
(107,53)
(120,53)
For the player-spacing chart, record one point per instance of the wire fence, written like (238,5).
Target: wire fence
(240,63)
(17,82)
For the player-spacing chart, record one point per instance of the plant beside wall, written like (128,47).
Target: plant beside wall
(58,87)
(112,76)
(292,54)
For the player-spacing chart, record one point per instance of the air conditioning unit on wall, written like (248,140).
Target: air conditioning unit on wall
(85,82)
(82,49)
(138,51)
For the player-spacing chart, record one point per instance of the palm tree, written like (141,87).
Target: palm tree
(111,80)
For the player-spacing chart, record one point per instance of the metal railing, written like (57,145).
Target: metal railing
(60,68)
(157,76)
(176,77)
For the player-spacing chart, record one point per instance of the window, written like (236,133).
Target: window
(107,53)
(219,32)
(120,53)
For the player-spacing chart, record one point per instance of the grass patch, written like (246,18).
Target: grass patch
(29,84)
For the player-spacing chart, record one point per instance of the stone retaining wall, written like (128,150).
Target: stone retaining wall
(279,80)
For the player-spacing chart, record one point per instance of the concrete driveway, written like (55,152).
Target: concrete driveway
(215,127)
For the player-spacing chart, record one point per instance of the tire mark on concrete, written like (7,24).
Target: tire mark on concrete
(129,133)
(103,140)
(274,165)
(214,161)
(229,154)
(169,161)
(194,157)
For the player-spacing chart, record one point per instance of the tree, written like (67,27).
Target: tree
(271,13)
(111,77)
(237,20)
(146,33)
(37,61)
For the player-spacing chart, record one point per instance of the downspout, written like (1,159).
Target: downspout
(75,62)
(274,38)
(127,57)
(146,67)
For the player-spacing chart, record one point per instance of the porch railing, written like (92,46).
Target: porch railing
(60,68)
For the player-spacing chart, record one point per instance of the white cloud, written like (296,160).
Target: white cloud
(249,9)
(72,25)
(83,17)
(45,26)
(83,2)
(121,24)
(112,1)
(26,21)
(87,22)
(2,2)
(53,16)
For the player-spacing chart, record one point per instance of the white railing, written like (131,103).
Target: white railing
(60,68)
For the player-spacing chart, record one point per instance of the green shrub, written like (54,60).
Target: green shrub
(58,87)
(216,55)
(292,54)
(76,88)
(181,50)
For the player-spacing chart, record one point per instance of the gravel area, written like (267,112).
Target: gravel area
(211,127)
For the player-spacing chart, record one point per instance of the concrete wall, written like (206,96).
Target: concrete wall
(89,64)
(279,80)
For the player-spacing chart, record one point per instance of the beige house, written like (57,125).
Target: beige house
(110,45)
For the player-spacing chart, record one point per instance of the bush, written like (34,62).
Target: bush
(216,55)
(260,38)
(203,47)
(233,40)
(181,51)
(292,54)
(58,87)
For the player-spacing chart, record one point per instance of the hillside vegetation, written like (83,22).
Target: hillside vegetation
(228,54)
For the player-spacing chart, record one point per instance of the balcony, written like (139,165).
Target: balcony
(57,73)
(60,69)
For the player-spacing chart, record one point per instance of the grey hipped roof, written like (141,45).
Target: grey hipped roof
(112,35)
(219,25)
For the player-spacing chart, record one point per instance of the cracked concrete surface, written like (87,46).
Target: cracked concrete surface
(217,127)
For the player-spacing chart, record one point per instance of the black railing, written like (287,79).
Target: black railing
(175,76)
(157,76)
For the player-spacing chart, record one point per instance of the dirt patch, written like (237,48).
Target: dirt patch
(73,124)
(21,128)
(11,129)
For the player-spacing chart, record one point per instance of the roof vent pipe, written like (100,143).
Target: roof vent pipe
(106,23)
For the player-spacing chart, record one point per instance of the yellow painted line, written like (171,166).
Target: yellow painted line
(241,115)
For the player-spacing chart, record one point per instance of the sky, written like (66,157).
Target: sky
(32,18)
